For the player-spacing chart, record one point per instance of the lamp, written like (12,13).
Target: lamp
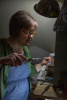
(47,8)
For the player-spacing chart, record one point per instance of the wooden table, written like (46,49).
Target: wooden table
(51,93)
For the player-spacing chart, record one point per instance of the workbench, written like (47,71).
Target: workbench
(51,93)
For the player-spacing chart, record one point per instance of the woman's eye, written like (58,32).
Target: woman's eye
(27,32)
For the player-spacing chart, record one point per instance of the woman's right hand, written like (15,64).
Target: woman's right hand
(13,59)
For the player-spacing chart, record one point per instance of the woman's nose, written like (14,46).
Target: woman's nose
(31,35)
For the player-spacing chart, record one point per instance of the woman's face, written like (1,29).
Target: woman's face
(25,36)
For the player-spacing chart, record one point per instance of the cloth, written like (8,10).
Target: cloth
(5,49)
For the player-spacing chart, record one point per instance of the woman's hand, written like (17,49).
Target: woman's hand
(45,60)
(13,59)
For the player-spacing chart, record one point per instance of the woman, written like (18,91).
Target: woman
(16,71)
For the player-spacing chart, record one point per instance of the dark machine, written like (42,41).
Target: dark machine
(60,62)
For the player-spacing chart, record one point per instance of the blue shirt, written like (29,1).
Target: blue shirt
(18,85)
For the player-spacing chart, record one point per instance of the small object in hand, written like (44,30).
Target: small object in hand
(35,60)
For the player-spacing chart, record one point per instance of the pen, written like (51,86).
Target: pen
(46,88)
(46,81)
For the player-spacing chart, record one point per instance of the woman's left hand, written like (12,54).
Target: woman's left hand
(45,60)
